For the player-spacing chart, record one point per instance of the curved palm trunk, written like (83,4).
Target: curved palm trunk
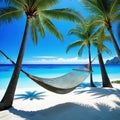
(113,40)
(105,79)
(9,95)
(90,68)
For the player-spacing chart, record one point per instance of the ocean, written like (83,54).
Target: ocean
(52,70)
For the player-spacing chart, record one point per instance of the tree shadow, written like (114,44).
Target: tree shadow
(99,92)
(30,95)
(70,111)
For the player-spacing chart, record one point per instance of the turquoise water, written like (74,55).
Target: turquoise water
(52,71)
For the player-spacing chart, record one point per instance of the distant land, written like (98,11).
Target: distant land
(114,60)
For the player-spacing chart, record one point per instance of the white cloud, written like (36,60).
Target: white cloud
(45,57)
(57,60)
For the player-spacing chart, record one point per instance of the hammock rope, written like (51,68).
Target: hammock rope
(62,84)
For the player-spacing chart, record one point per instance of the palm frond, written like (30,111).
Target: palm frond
(98,30)
(40,26)
(75,31)
(81,50)
(93,20)
(51,27)
(7,14)
(106,49)
(81,25)
(34,4)
(100,38)
(91,30)
(92,6)
(115,18)
(29,3)
(104,5)
(114,7)
(101,35)
(65,14)
(74,44)
(34,31)
(107,38)
(43,4)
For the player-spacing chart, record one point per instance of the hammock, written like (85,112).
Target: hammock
(63,84)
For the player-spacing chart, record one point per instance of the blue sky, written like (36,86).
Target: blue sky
(50,49)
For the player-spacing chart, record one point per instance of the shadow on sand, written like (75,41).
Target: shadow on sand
(30,95)
(97,92)
(70,111)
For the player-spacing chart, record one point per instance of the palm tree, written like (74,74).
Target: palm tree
(107,12)
(85,31)
(38,16)
(99,43)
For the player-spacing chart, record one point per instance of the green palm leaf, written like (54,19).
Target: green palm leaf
(50,26)
(81,50)
(114,7)
(45,4)
(101,37)
(40,27)
(66,14)
(91,5)
(74,44)
(34,31)
(7,14)
(77,32)
(115,18)
(106,49)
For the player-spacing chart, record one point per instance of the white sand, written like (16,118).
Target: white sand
(81,104)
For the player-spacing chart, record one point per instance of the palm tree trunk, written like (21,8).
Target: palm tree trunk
(7,100)
(90,69)
(105,78)
(114,41)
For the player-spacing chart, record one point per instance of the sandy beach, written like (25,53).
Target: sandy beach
(81,104)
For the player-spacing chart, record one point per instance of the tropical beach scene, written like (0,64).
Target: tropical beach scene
(59,59)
